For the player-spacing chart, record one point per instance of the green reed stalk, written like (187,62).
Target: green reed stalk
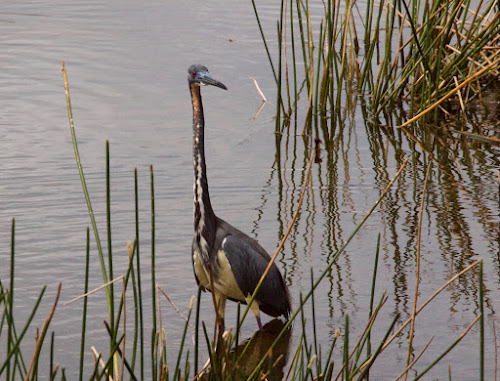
(285,54)
(372,293)
(369,22)
(95,373)
(313,310)
(14,349)
(328,363)
(86,194)
(303,43)
(110,251)
(131,271)
(84,313)
(51,357)
(368,85)
(294,59)
(154,355)
(196,331)
(153,273)
(10,318)
(303,322)
(277,129)
(264,40)
(177,365)
(295,360)
(138,271)
(320,53)
(187,366)
(363,340)
(211,352)
(415,38)
(481,322)
(346,348)
(108,366)
(379,349)
(237,338)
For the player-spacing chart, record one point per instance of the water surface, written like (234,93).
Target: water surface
(127,67)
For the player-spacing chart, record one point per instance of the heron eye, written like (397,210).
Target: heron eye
(193,74)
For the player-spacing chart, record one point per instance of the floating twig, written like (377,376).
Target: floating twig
(259,90)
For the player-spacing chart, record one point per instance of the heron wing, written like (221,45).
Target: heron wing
(248,262)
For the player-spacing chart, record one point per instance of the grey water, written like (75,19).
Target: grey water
(127,64)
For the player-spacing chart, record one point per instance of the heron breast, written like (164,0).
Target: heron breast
(226,282)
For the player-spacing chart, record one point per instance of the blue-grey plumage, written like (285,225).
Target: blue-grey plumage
(235,261)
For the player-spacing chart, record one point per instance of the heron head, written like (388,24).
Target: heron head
(198,75)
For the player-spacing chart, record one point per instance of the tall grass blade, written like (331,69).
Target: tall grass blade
(370,362)
(481,323)
(153,272)
(186,325)
(86,193)
(10,318)
(138,271)
(110,250)
(84,313)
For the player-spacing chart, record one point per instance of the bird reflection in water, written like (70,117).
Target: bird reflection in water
(258,346)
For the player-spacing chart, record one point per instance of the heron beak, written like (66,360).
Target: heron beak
(206,80)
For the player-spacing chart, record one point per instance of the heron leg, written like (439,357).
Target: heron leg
(220,301)
(255,309)
(259,322)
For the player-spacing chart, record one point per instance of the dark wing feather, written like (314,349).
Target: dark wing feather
(248,262)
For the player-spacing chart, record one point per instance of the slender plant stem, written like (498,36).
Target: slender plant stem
(481,323)
(86,193)
(84,313)
(10,323)
(138,270)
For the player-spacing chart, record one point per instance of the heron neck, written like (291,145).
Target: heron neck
(204,216)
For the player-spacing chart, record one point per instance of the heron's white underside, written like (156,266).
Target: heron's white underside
(225,284)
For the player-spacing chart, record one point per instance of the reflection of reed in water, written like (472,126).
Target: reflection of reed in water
(258,347)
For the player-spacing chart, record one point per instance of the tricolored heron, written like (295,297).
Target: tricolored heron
(229,258)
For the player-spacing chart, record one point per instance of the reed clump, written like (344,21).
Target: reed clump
(422,55)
